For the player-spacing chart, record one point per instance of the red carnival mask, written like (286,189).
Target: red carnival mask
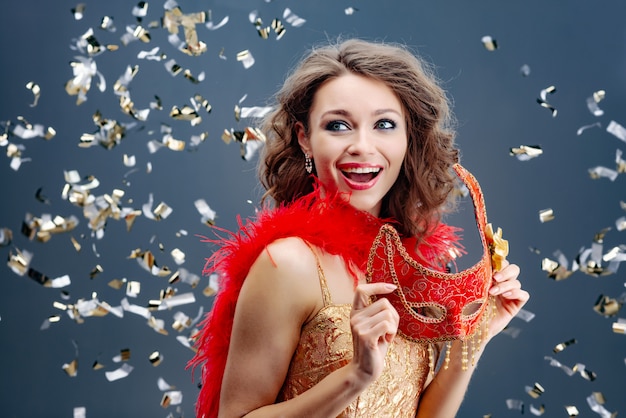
(435,305)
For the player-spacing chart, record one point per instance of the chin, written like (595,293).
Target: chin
(372,208)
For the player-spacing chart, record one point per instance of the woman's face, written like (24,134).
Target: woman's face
(357,138)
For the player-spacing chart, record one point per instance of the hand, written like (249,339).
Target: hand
(509,296)
(373,325)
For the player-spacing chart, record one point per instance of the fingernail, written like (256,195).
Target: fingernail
(390,286)
(494,290)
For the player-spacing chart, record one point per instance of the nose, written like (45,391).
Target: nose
(362,143)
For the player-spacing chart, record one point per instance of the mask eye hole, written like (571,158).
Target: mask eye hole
(472,309)
(429,313)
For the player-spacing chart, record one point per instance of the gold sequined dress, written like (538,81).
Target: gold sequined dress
(326,345)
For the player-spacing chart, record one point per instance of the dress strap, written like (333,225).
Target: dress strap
(322,278)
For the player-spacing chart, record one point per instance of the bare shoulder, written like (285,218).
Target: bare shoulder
(287,269)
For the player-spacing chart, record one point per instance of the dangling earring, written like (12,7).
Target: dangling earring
(308,163)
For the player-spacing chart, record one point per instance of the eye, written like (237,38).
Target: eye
(385,124)
(337,125)
(429,313)
(472,308)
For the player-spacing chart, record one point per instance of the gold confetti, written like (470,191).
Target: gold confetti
(174,18)
(36,90)
(251,139)
(619,327)
(187,74)
(584,372)
(140,10)
(173,68)
(71,368)
(181,322)
(155,358)
(45,226)
(121,89)
(109,133)
(6,236)
(543,97)
(208,214)
(607,306)
(97,365)
(106,23)
(26,130)
(593,262)
(125,354)
(246,58)
(20,261)
(600,171)
(536,391)
(187,113)
(78,11)
(135,33)
(95,271)
(593,100)
(212,287)
(526,152)
(620,162)
(561,346)
(200,102)
(178,256)
(147,262)
(489,43)
(596,402)
(157,324)
(133,288)
(546,215)
(171,398)
(117,284)
(279,29)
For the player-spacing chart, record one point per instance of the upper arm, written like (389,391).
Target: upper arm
(279,293)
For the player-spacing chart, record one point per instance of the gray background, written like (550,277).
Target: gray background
(578,46)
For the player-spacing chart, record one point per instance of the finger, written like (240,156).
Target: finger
(373,330)
(364,292)
(511,271)
(379,311)
(505,286)
(519,295)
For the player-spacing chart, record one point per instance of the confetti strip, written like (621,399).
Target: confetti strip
(542,100)
(489,43)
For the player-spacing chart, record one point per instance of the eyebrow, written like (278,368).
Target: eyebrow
(344,112)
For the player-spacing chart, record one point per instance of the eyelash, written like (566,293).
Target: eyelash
(334,125)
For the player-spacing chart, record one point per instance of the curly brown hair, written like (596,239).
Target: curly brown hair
(425,182)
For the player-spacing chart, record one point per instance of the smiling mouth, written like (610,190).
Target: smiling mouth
(361,174)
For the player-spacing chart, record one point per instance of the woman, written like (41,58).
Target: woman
(359,138)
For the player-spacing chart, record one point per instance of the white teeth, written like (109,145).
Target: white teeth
(362,170)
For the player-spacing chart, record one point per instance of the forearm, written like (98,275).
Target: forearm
(328,398)
(444,395)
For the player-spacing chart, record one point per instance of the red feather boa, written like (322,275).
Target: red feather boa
(329,223)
